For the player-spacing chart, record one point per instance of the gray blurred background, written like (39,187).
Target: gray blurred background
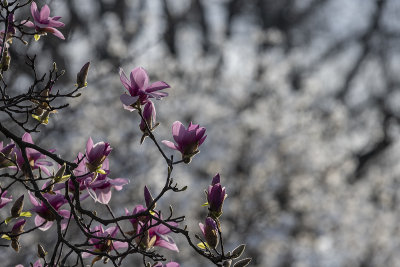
(300,99)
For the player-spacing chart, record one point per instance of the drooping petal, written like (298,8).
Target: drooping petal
(170,144)
(103,195)
(55,32)
(156,86)
(128,100)
(167,242)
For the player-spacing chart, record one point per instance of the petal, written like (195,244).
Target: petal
(33,199)
(89,146)
(27,137)
(118,183)
(128,100)
(44,169)
(170,144)
(156,86)
(35,12)
(202,139)
(202,228)
(103,195)
(55,23)
(168,244)
(139,78)
(178,131)
(118,244)
(124,80)
(55,32)
(44,13)
(28,23)
(86,254)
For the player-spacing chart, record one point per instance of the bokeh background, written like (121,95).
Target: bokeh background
(300,99)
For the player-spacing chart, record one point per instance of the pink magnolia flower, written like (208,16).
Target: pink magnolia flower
(139,88)
(43,23)
(33,157)
(36,264)
(100,189)
(4,200)
(101,245)
(45,215)
(153,235)
(187,140)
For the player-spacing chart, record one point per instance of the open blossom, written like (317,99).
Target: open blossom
(44,214)
(4,200)
(139,88)
(101,245)
(154,235)
(187,140)
(35,158)
(43,23)
(216,195)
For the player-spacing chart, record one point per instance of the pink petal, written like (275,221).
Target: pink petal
(89,146)
(170,244)
(28,23)
(170,144)
(139,78)
(124,80)
(33,199)
(55,32)
(55,23)
(128,100)
(178,131)
(119,244)
(103,195)
(27,137)
(44,13)
(156,86)
(35,12)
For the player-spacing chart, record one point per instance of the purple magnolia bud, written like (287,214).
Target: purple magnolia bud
(216,195)
(10,28)
(187,140)
(18,227)
(148,198)
(149,114)
(210,232)
(216,179)
(5,155)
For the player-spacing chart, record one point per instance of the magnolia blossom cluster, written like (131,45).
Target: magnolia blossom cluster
(54,189)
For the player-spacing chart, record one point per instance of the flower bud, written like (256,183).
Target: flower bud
(242,263)
(41,252)
(237,252)
(82,76)
(210,232)
(17,207)
(216,195)
(5,61)
(148,198)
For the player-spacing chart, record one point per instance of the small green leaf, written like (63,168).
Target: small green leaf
(25,214)
(101,171)
(205,204)
(202,246)
(6,237)
(8,220)
(37,37)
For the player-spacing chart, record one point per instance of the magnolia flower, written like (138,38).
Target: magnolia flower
(104,245)
(96,154)
(151,236)
(3,199)
(187,140)
(100,189)
(215,197)
(43,23)
(45,215)
(210,232)
(5,155)
(33,157)
(36,264)
(139,88)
